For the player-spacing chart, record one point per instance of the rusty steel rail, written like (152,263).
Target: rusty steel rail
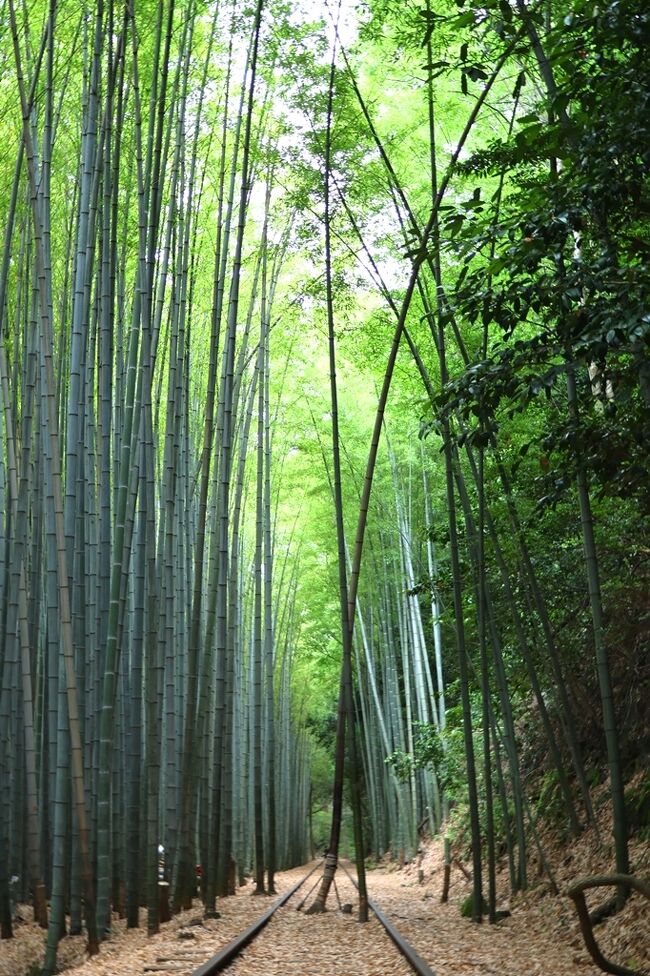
(415,961)
(407,950)
(230,951)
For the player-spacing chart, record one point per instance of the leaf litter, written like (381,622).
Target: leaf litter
(540,937)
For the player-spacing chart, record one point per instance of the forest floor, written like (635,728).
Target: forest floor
(539,938)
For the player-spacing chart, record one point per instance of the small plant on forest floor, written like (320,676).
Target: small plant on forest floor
(551,804)
(637,802)
(467,906)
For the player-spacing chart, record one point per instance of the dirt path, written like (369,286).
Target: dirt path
(540,938)
(332,944)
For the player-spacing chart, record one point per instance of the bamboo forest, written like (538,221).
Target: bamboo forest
(325,484)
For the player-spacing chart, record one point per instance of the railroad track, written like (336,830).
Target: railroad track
(229,952)
(200,936)
(182,960)
(416,962)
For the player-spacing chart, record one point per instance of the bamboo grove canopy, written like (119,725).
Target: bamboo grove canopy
(257,262)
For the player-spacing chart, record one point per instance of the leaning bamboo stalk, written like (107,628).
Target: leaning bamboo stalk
(418,259)
(345,710)
(417,262)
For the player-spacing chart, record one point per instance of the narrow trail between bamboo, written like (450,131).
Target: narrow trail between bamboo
(282,940)
(333,943)
(541,936)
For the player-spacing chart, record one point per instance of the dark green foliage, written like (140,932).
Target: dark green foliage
(428,753)
(550,804)
(467,905)
(566,282)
